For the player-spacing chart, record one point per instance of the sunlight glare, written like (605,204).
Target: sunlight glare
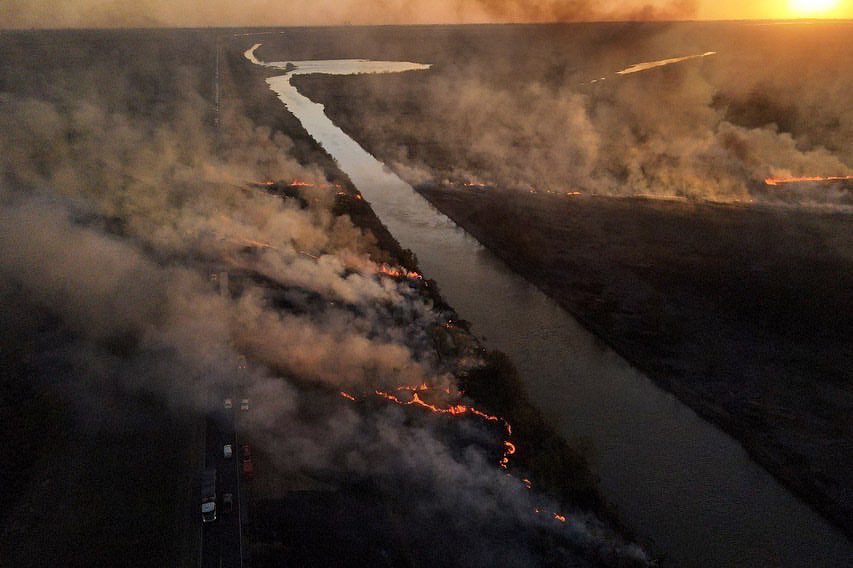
(811,7)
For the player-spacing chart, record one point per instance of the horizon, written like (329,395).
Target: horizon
(429,24)
(181,14)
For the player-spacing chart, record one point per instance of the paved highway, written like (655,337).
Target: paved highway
(221,540)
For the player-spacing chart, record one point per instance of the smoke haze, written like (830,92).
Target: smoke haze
(557,115)
(155,13)
(119,208)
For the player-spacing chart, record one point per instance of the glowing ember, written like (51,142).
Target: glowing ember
(555,516)
(780,181)
(299,183)
(347,396)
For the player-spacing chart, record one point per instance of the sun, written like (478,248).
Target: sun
(811,7)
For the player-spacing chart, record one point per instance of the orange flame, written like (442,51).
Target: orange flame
(399,272)
(780,181)
(253,243)
(555,516)
(452,410)
(457,410)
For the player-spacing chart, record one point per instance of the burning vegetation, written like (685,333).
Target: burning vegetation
(806,179)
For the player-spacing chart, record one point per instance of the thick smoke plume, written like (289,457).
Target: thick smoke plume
(117,219)
(154,13)
(583,10)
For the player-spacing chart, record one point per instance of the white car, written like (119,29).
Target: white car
(228,404)
(244,404)
(226,451)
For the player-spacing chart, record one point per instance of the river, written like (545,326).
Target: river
(675,479)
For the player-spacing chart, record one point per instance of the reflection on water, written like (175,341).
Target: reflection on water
(675,479)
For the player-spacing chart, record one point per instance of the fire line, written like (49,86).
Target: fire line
(780,181)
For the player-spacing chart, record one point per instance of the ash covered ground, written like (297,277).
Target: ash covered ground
(638,200)
(125,194)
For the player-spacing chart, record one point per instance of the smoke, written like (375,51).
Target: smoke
(583,10)
(116,211)
(556,114)
(156,13)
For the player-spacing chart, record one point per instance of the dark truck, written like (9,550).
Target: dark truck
(208,495)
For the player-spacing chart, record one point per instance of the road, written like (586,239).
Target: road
(221,540)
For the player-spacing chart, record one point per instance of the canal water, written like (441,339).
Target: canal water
(678,481)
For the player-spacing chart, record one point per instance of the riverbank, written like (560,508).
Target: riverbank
(738,311)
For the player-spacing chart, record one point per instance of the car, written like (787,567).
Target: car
(227,502)
(208,512)
(244,404)
(228,404)
(226,451)
(248,469)
(246,463)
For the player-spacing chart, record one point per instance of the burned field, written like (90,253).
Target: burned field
(750,332)
(121,209)
(639,203)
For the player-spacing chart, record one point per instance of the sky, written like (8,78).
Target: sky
(191,13)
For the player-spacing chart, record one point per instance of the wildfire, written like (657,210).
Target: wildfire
(477,185)
(556,516)
(296,182)
(452,410)
(780,181)
(399,272)
(457,409)
(253,243)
